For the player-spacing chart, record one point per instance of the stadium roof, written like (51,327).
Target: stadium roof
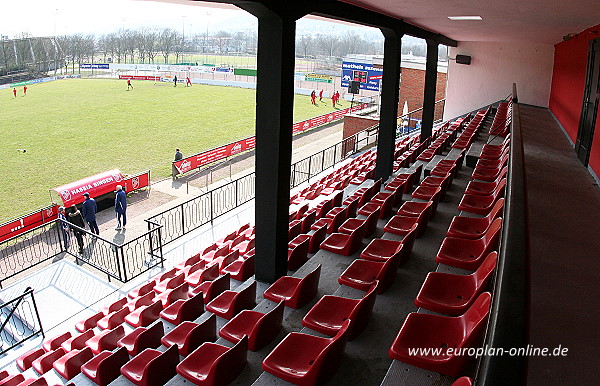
(534,21)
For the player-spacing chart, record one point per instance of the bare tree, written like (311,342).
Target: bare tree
(329,44)
(167,41)
(304,44)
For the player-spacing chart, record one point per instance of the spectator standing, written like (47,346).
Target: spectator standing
(64,226)
(75,218)
(89,209)
(121,207)
(178,157)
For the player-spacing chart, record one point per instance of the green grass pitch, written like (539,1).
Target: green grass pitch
(75,128)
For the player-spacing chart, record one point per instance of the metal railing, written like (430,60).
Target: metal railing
(201,210)
(119,261)
(508,325)
(19,320)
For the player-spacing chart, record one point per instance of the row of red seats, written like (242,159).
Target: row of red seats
(470,244)
(469,134)
(501,124)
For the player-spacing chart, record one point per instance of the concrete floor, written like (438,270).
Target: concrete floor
(564,211)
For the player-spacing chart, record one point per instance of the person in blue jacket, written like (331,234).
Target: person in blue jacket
(121,207)
(88,210)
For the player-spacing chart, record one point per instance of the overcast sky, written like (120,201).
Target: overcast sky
(44,17)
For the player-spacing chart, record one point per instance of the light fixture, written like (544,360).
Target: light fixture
(465,18)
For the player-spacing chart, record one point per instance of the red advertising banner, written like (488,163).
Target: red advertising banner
(95,185)
(133,183)
(21,225)
(213,155)
(140,77)
(222,152)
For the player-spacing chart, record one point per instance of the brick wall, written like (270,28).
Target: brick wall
(412,86)
(355,123)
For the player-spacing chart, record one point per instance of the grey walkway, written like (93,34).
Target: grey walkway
(564,211)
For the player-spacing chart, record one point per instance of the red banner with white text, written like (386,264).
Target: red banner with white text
(140,77)
(21,225)
(95,185)
(222,152)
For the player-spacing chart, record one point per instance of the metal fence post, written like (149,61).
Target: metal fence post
(309,168)
(182,220)
(123,260)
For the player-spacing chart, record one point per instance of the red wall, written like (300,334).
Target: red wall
(568,81)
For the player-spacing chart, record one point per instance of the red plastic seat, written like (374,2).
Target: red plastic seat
(469,253)
(329,314)
(382,250)
(169,283)
(55,342)
(475,203)
(315,239)
(105,367)
(152,367)
(241,269)
(142,338)
(441,332)
(213,364)
(69,365)
(294,229)
(115,306)
(90,322)
(145,315)
(463,381)
(361,274)
(229,258)
(308,219)
(25,360)
(106,340)
(306,359)
(295,292)
(229,303)
(209,273)
(298,253)
(345,244)
(488,174)
(370,224)
(142,290)
(188,336)
(211,289)
(222,250)
(44,363)
(77,342)
(452,295)
(245,246)
(41,381)
(385,206)
(188,262)
(472,227)
(144,300)
(172,295)
(260,328)
(13,380)
(414,208)
(181,310)
(484,188)
(113,319)
(333,219)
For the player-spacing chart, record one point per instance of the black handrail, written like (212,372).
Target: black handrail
(509,315)
(29,327)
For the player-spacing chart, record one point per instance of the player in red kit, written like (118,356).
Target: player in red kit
(24,90)
(313,98)
(321,96)
(188,82)
(15,92)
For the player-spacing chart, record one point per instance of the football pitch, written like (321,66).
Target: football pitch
(75,128)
